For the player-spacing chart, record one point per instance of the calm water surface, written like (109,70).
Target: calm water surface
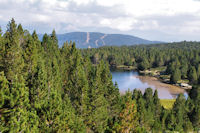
(131,80)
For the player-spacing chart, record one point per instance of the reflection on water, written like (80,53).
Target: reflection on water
(131,80)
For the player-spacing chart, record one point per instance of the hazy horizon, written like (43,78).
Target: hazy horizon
(169,20)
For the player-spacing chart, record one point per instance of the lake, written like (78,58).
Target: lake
(132,80)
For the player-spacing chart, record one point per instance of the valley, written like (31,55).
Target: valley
(45,87)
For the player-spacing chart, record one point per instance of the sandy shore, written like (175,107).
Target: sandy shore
(174,90)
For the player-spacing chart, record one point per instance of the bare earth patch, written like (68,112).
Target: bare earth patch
(174,90)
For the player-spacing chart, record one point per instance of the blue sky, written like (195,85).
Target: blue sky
(163,20)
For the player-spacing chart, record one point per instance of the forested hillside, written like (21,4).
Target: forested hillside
(44,88)
(96,39)
(181,61)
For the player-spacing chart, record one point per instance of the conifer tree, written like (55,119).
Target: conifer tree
(128,116)
(157,104)
(179,110)
(30,56)
(12,60)
(192,75)
(144,64)
(170,68)
(4,100)
(184,70)
(99,104)
(69,121)
(198,74)
(195,113)
(110,91)
(149,116)
(15,107)
(176,76)
(163,117)
(76,81)
(171,121)
(2,46)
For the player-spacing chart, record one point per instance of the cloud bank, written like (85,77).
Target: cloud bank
(164,20)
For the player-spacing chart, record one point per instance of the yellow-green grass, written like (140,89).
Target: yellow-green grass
(162,68)
(167,103)
(126,67)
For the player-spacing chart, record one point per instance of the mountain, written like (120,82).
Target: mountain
(96,39)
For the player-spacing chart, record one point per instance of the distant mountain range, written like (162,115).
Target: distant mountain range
(96,39)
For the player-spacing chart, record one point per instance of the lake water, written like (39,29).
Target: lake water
(132,80)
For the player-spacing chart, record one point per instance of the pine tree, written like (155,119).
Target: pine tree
(158,107)
(30,56)
(163,117)
(176,76)
(4,101)
(2,50)
(75,80)
(15,107)
(180,112)
(37,41)
(53,37)
(184,70)
(144,64)
(170,68)
(192,75)
(195,113)
(128,116)
(171,122)
(12,60)
(53,111)
(111,92)
(78,85)
(198,73)
(69,121)
(99,114)
(149,115)
(141,110)
(99,104)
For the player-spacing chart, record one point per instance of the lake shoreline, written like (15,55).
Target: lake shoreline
(174,90)
(152,81)
(142,73)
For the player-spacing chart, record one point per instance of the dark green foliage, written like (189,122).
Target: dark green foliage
(13,62)
(195,113)
(192,75)
(44,88)
(144,65)
(180,56)
(176,76)
(128,116)
(158,107)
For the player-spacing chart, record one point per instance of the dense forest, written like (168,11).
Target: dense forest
(182,59)
(44,88)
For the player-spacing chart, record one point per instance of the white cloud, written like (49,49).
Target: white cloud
(177,18)
(121,23)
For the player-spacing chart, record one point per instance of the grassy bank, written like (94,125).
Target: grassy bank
(167,103)
(124,67)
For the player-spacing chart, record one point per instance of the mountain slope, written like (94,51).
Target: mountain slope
(96,39)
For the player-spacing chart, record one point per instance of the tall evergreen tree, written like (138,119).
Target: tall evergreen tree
(149,116)
(158,107)
(195,113)
(179,110)
(15,107)
(176,76)
(2,46)
(192,75)
(12,60)
(128,116)
(100,112)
